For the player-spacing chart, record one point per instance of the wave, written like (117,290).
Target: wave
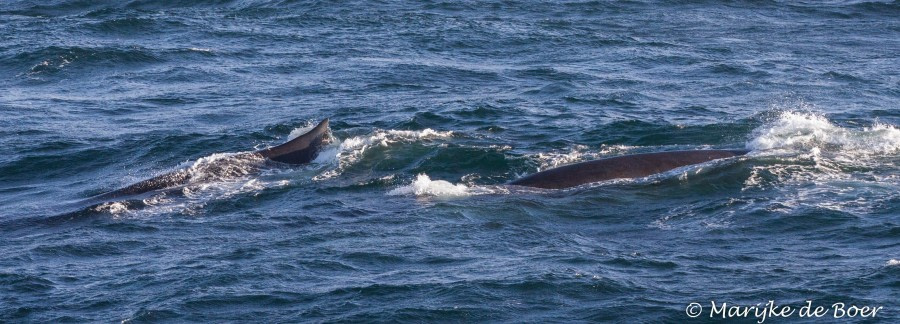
(53,59)
(815,163)
(803,131)
(424,186)
(57,61)
(77,7)
(105,7)
(351,150)
(578,153)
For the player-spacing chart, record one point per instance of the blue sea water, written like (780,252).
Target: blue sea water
(434,105)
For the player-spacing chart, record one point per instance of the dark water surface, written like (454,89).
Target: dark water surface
(434,105)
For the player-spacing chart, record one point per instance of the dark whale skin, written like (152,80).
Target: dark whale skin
(619,167)
(300,150)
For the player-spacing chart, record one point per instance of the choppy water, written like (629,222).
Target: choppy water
(435,105)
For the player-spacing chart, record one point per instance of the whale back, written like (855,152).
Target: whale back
(626,166)
(302,149)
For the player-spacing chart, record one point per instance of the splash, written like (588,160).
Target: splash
(114,208)
(351,150)
(424,186)
(577,153)
(296,132)
(224,166)
(893,262)
(816,163)
(218,176)
(809,131)
(224,175)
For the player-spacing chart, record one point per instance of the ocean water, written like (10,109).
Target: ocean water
(434,106)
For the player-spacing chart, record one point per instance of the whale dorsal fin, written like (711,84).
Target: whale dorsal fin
(302,149)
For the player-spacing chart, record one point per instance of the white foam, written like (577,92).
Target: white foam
(816,163)
(224,166)
(809,131)
(158,199)
(893,262)
(576,153)
(115,208)
(351,150)
(296,132)
(359,144)
(218,176)
(213,177)
(424,186)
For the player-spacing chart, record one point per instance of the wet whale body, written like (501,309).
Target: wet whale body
(300,150)
(626,166)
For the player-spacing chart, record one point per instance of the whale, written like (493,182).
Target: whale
(620,167)
(300,150)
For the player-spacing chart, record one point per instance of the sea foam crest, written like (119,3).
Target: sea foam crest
(217,176)
(577,153)
(352,149)
(808,131)
(296,132)
(114,208)
(424,186)
(819,164)
(224,166)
